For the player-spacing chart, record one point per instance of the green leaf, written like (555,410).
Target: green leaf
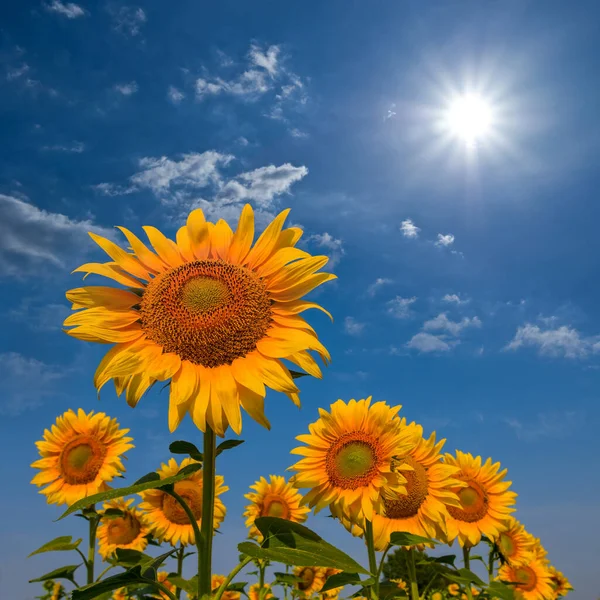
(182,447)
(152,476)
(500,590)
(113,513)
(189,586)
(155,563)
(129,491)
(59,544)
(465,576)
(227,445)
(447,559)
(60,573)
(130,558)
(341,579)
(297,374)
(109,584)
(274,526)
(287,578)
(401,538)
(238,586)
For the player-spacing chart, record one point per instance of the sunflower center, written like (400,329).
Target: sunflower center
(191,492)
(526,578)
(275,506)
(208,312)
(308,576)
(81,460)
(123,530)
(352,460)
(417,482)
(506,544)
(474,503)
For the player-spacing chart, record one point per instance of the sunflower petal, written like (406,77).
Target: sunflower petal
(104,296)
(137,387)
(126,261)
(267,241)
(198,234)
(185,244)
(297,291)
(165,248)
(243,236)
(220,240)
(184,383)
(296,273)
(145,255)
(200,405)
(111,271)
(225,388)
(297,306)
(254,405)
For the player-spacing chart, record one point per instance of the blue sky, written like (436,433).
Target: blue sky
(467,286)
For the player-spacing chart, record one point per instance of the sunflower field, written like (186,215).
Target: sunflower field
(215,316)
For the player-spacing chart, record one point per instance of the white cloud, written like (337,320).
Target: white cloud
(111,189)
(26,383)
(377,284)
(352,326)
(69,10)
(75,147)
(546,425)
(454,298)
(128,20)
(400,307)
(444,240)
(562,341)
(175,95)
(391,113)
(17,72)
(31,238)
(127,89)
(333,245)
(427,342)
(267,60)
(297,133)
(442,322)
(409,229)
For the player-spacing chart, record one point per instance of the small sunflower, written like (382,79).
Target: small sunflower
(210,312)
(515,544)
(400,584)
(164,514)
(274,498)
(161,577)
(437,595)
(313,579)
(79,456)
(559,582)
(531,581)
(254,592)
(454,589)
(58,591)
(216,582)
(120,594)
(348,456)
(485,502)
(128,531)
(333,593)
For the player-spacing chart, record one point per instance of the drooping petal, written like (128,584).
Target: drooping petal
(126,261)
(107,297)
(146,256)
(164,247)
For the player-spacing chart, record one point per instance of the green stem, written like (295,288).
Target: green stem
(164,590)
(179,567)
(467,561)
(230,577)
(261,579)
(414,586)
(208,510)
(105,572)
(381,563)
(285,587)
(372,557)
(491,561)
(93,523)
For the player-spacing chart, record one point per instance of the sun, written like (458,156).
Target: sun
(469,118)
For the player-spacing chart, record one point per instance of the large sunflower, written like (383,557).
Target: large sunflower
(128,531)
(515,544)
(485,502)
(210,312)
(560,583)
(216,582)
(164,514)
(274,498)
(532,581)
(313,579)
(80,454)
(348,456)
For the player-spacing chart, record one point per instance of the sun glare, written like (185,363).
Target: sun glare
(469,118)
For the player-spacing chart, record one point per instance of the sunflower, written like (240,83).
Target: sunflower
(161,577)
(216,582)
(559,582)
(79,456)
(485,502)
(58,591)
(400,584)
(209,312)
(254,592)
(164,514)
(128,531)
(454,589)
(515,544)
(349,454)
(333,593)
(273,499)
(532,581)
(313,579)
(437,595)
(120,594)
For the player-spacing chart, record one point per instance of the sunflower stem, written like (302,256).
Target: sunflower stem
(230,577)
(467,561)
(261,579)
(414,586)
(208,509)
(179,567)
(372,557)
(491,561)
(93,523)
(105,572)
(381,563)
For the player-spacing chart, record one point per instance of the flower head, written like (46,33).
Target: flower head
(127,531)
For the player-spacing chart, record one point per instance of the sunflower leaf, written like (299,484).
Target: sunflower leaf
(159,560)
(113,513)
(227,445)
(447,559)
(401,538)
(341,579)
(129,491)
(127,557)
(60,573)
(500,590)
(109,584)
(464,576)
(152,476)
(286,578)
(189,586)
(274,526)
(183,447)
(59,544)
(238,586)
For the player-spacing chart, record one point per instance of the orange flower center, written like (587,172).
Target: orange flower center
(123,530)
(417,486)
(352,460)
(191,492)
(526,579)
(275,506)
(208,312)
(474,503)
(81,460)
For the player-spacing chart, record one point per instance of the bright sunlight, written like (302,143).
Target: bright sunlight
(469,118)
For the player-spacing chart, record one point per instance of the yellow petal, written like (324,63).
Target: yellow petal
(137,387)
(279,259)
(102,317)
(111,271)
(295,273)
(108,297)
(297,291)
(124,260)
(215,415)
(305,361)
(92,333)
(198,234)
(184,244)
(176,414)
(184,383)
(274,374)
(297,306)
(225,388)
(164,247)
(254,405)
(243,236)
(267,241)
(200,405)
(289,237)
(146,256)
(220,240)
(165,366)
(246,373)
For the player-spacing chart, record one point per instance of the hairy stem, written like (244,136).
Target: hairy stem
(179,567)
(414,586)
(467,561)
(372,557)
(93,523)
(208,510)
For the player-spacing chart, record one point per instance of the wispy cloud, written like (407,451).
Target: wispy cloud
(444,240)
(68,9)
(427,342)
(75,147)
(17,72)
(546,425)
(175,95)
(352,326)
(443,323)
(127,20)
(391,113)
(334,247)
(127,89)
(409,229)
(399,307)
(377,285)
(454,299)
